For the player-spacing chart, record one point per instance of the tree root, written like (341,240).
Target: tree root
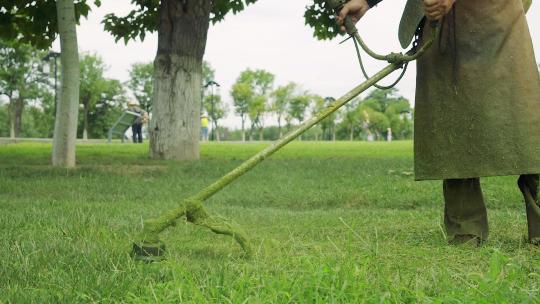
(151,248)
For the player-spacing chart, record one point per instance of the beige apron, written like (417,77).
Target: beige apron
(477,109)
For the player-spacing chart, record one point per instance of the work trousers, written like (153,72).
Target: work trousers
(136,129)
(465,211)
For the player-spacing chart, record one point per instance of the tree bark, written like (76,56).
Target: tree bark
(279,127)
(85,123)
(65,127)
(16,107)
(352,133)
(175,125)
(243,130)
(11,118)
(217,132)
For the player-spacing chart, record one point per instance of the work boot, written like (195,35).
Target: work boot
(528,184)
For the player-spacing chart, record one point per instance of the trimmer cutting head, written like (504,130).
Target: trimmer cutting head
(148,252)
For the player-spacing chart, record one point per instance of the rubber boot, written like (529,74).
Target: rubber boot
(529,185)
(465,215)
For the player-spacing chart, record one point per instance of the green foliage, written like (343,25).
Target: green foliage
(100,97)
(20,79)
(281,97)
(380,110)
(215,107)
(141,84)
(298,106)
(144,18)
(242,94)
(209,73)
(19,62)
(35,22)
(322,19)
(333,223)
(260,84)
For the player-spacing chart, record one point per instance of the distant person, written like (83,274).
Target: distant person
(204,127)
(136,127)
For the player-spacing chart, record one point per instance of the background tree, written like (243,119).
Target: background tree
(38,22)
(97,95)
(351,117)
(281,98)
(18,80)
(182,28)
(208,73)
(141,84)
(298,106)
(328,125)
(242,95)
(108,108)
(261,83)
(318,105)
(216,109)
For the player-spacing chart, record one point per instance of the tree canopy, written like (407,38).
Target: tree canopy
(144,18)
(35,22)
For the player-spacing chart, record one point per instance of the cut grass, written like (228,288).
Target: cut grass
(329,222)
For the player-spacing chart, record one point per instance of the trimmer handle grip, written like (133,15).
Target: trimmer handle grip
(336,6)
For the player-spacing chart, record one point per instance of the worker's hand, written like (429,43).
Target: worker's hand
(355,9)
(436,9)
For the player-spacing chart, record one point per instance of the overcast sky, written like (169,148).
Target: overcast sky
(271,35)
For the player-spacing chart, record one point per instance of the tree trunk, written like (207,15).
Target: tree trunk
(11,108)
(217,132)
(175,125)
(251,132)
(352,133)
(16,106)
(19,107)
(261,134)
(279,127)
(85,123)
(65,127)
(243,130)
(334,134)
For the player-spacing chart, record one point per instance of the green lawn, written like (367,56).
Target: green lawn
(329,222)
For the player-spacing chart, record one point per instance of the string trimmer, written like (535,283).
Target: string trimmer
(151,248)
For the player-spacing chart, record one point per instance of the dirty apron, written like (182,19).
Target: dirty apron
(477,110)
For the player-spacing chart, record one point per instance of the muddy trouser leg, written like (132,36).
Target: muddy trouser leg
(528,184)
(464,210)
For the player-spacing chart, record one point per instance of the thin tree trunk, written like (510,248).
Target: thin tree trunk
(15,108)
(333,134)
(175,125)
(279,127)
(217,133)
(85,123)
(352,133)
(11,108)
(251,132)
(19,107)
(65,127)
(243,130)
(261,134)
